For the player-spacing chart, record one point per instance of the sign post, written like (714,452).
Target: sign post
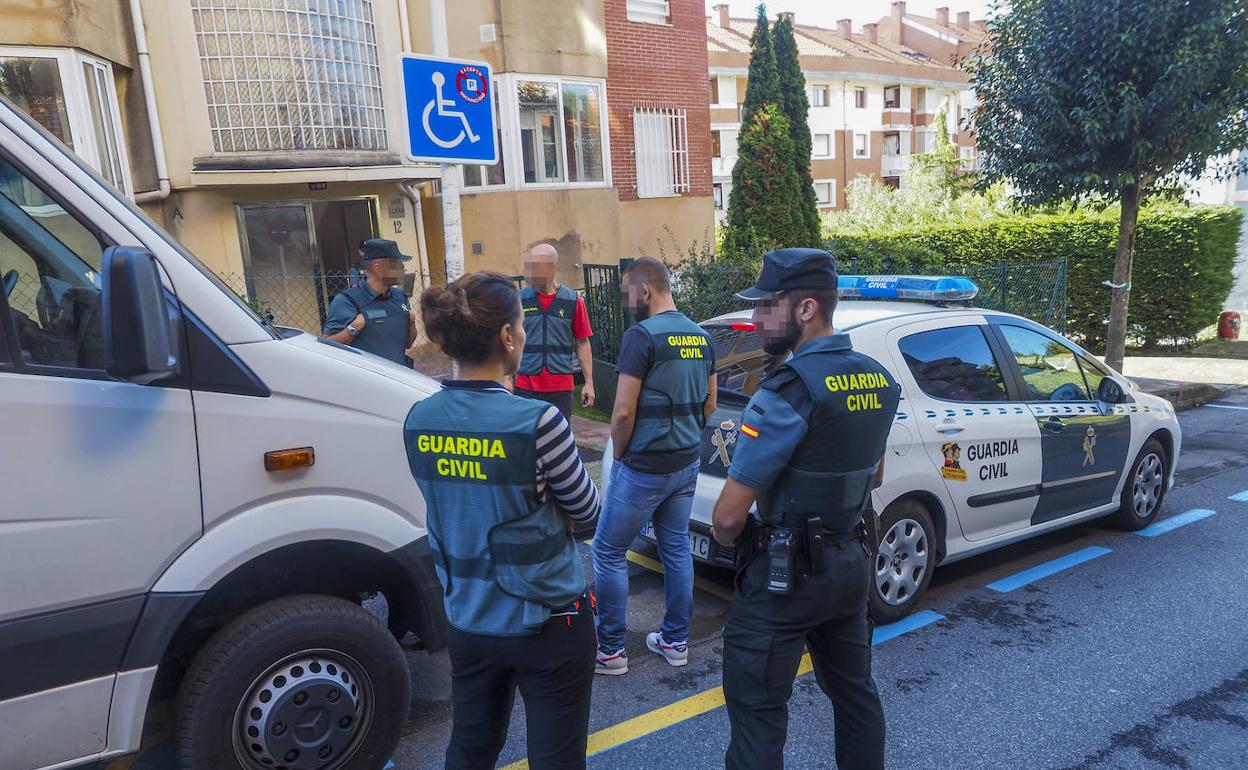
(450,120)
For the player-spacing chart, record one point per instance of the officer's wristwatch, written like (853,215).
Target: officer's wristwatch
(354,332)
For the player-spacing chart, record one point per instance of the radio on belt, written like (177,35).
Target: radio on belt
(781,552)
(918,287)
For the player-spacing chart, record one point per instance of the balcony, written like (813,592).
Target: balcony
(897,118)
(722,167)
(725,114)
(894,165)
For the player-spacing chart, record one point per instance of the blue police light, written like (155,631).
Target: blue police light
(921,287)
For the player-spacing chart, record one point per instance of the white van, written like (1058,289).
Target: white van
(188,491)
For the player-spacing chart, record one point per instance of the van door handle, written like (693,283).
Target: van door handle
(1055,424)
(949,427)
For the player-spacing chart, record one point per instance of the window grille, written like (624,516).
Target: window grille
(661,138)
(291,74)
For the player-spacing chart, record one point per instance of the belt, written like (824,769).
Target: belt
(756,542)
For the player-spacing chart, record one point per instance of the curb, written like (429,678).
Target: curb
(1187,395)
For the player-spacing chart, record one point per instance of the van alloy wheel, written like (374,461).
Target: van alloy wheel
(901,562)
(307,712)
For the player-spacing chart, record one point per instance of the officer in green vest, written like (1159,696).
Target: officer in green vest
(374,315)
(503,487)
(665,394)
(810,450)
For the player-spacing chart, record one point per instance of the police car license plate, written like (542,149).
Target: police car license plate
(699,544)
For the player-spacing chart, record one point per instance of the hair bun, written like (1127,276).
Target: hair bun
(465,317)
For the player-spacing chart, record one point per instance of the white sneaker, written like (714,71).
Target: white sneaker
(611,665)
(675,654)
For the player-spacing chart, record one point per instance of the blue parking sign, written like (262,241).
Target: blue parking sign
(450,110)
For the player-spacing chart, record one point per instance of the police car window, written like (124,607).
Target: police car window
(1093,373)
(49,271)
(1050,369)
(954,364)
(740,361)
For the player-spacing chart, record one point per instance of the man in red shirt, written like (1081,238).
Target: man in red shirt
(557,326)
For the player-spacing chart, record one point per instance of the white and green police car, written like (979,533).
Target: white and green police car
(1005,430)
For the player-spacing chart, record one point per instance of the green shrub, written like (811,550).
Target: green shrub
(1183,269)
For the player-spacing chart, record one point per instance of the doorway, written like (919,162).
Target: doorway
(298,255)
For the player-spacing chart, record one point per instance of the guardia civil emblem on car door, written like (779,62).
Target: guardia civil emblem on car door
(1089,443)
(723,437)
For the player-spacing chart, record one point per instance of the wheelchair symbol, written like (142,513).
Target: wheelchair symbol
(443,104)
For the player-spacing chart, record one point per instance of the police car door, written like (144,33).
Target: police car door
(1084,443)
(978,436)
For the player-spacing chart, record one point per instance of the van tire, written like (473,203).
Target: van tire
(285,660)
(907,533)
(1148,477)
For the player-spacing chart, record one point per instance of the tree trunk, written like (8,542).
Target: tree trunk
(1115,347)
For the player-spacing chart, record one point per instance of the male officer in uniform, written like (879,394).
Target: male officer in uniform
(810,450)
(374,314)
(557,324)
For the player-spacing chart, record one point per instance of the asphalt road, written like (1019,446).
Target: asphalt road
(1137,658)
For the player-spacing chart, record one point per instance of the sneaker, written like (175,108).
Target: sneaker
(675,654)
(611,665)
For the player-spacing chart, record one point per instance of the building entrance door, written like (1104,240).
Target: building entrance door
(299,254)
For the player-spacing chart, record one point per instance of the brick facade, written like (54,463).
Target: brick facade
(664,65)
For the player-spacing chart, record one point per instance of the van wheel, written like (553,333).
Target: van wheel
(303,683)
(904,561)
(1144,488)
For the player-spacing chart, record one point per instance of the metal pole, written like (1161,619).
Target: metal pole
(452,221)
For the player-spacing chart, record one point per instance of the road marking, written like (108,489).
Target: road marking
(697,705)
(711,588)
(389,765)
(1228,406)
(1239,497)
(1174,522)
(1041,571)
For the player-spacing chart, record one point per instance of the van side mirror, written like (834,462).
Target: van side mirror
(1110,391)
(138,334)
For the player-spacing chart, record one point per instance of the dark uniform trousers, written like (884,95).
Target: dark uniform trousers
(764,639)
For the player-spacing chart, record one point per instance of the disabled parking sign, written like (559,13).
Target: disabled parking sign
(450,110)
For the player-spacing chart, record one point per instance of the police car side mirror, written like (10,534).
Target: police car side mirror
(1110,392)
(139,335)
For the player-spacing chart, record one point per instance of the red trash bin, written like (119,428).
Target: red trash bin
(1228,325)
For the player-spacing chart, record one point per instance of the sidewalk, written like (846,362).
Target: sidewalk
(1187,381)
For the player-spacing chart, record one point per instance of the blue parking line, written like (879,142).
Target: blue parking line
(1041,571)
(1228,406)
(1174,522)
(904,626)
(1239,497)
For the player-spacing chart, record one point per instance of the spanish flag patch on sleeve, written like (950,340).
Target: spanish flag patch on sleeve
(749,430)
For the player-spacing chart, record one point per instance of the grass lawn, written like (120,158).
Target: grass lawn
(593,413)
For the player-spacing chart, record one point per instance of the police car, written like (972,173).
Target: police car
(1005,430)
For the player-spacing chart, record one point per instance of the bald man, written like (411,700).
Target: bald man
(557,325)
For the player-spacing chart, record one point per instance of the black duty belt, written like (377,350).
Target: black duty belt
(755,539)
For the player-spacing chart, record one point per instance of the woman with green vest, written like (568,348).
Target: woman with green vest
(503,487)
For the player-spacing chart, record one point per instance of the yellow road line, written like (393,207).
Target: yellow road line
(706,585)
(653,721)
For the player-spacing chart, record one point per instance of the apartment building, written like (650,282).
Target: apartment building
(873,101)
(268,135)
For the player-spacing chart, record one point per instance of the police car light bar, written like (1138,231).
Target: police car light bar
(921,287)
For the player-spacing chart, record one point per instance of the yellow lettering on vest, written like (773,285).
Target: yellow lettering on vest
(691,352)
(863,402)
(466,446)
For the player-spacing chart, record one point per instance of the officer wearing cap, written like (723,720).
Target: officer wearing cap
(810,451)
(374,315)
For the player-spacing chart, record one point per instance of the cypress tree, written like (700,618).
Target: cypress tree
(762,84)
(796,109)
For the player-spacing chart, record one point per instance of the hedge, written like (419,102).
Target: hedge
(1182,273)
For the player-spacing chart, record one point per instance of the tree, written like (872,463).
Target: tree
(764,211)
(1107,98)
(797,109)
(764,206)
(942,163)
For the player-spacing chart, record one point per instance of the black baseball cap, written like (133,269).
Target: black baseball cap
(380,248)
(787,269)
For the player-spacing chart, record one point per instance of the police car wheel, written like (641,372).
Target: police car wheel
(1144,488)
(903,564)
(303,683)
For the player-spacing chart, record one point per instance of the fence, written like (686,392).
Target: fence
(702,290)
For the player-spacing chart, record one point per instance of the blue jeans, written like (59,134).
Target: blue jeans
(632,498)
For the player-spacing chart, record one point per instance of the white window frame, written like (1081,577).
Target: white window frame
(69,64)
(866,97)
(649,11)
(501,131)
(966,158)
(831,153)
(831,201)
(727,96)
(854,145)
(821,88)
(717,195)
(678,119)
(509,106)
